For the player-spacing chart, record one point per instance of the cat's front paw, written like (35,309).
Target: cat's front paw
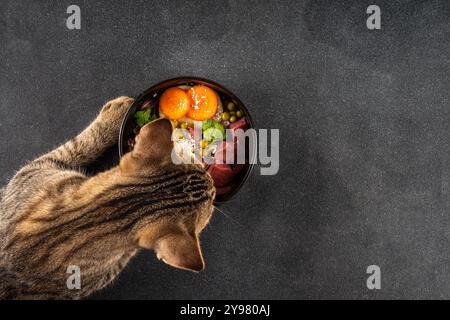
(111,116)
(114,111)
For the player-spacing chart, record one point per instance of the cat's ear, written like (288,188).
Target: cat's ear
(154,141)
(180,250)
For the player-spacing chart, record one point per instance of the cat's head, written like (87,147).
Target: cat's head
(183,193)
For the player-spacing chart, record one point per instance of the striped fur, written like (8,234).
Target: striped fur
(53,216)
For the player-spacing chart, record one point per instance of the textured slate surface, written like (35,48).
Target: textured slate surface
(364,119)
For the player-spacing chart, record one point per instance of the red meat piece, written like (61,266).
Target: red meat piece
(222,174)
(240,124)
(221,153)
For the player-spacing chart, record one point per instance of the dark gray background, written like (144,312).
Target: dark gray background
(364,118)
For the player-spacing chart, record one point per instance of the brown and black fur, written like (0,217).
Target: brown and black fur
(53,216)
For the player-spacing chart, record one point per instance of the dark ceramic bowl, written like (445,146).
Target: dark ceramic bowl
(153,93)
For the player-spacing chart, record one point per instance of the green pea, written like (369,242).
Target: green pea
(184,125)
(232,113)
(230,106)
(232,119)
(225,116)
(239,113)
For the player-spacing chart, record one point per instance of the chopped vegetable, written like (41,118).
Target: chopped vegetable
(212,134)
(143,117)
(215,131)
(184,125)
(232,119)
(207,124)
(220,127)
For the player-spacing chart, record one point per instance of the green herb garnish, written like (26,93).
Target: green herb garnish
(143,117)
(220,127)
(213,130)
(207,124)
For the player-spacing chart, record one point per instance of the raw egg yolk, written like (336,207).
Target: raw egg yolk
(203,103)
(174,103)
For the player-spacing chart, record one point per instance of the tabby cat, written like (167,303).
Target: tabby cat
(53,216)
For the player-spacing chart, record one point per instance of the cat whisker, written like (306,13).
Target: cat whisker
(228,216)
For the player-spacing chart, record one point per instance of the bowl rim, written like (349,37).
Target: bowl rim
(147,92)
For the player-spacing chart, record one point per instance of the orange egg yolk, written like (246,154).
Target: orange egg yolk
(174,103)
(203,103)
